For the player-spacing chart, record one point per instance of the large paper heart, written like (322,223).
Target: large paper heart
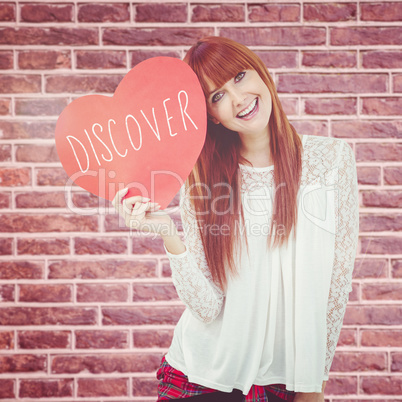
(148,136)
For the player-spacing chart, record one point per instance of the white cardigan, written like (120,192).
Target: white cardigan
(280,319)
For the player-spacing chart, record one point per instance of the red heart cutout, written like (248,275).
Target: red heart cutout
(147,136)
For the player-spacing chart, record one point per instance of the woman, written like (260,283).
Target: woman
(271,223)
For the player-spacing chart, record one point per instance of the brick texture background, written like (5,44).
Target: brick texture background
(88,309)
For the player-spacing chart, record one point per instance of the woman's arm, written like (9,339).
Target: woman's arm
(190,273)
(346,238)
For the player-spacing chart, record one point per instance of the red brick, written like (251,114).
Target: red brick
(397,83)
(88,200)
(49,246)
(378,222)
(6,59)
(387,199)
(101,339)
(161,338)
(369,175)
(5,202)
(290,106)
(117,12)
(382,245)
(218,13)
(378,152)
(51,177)
(44,339)
(106,363)
(31,223)
(328,82)
(396,268)
(147,245)
(7,388)
(5,107)
(373,315)
(396,361)
(166,270)
(312,127)
(82,83)
(48,316)
(7,12)
(103,245)
(367,129)
(6,342)
(325,106)
(347,337)
(21,270)
(5,153)
(381,385)
(278,59)
(23,129)
(94,59)
(49,388)
(102,293)
(381,337)
(145,386)
(154,37)
(45,293)
(381,59)
(22,363)
(37,199)
(47,13)
(274,12)
(330,12)
(141,315)
(44,59)
(7,293)
(40,107)
(49,36)
(370,268)
(115,223)
(161,12)
(276,36)
(20,83)
(154,292)
(341,385)
(359,361)
(381,11)
(393,175)
(381,291)
(6,246)
(88,387)
(382,106)
(365,36)
(102,269)
(36,153)
(328,59)
(137,56)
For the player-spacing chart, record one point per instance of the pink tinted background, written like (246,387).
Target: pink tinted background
(88,309)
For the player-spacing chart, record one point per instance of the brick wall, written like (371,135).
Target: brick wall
(88,309)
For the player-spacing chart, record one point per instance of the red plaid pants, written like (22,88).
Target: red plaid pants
(173,384)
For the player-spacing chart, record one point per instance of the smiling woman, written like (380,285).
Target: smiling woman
(271,225)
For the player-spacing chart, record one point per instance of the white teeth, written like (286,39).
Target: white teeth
(248,110)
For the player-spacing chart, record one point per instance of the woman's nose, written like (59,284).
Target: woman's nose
(238,98)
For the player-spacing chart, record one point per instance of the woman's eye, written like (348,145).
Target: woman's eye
(240,76)
(216,97)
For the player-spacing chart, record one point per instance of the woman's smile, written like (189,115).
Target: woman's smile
(250,111)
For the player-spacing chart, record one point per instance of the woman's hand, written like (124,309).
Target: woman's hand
(142,215)
(311,396)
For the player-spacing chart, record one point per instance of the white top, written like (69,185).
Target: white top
(280,319)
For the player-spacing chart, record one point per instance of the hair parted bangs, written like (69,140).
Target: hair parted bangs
(218,61)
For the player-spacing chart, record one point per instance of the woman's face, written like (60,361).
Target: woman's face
(243,104)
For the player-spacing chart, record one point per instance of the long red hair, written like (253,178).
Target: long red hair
(218,60)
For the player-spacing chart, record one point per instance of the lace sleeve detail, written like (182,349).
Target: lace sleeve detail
(190,273)
(347,231)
